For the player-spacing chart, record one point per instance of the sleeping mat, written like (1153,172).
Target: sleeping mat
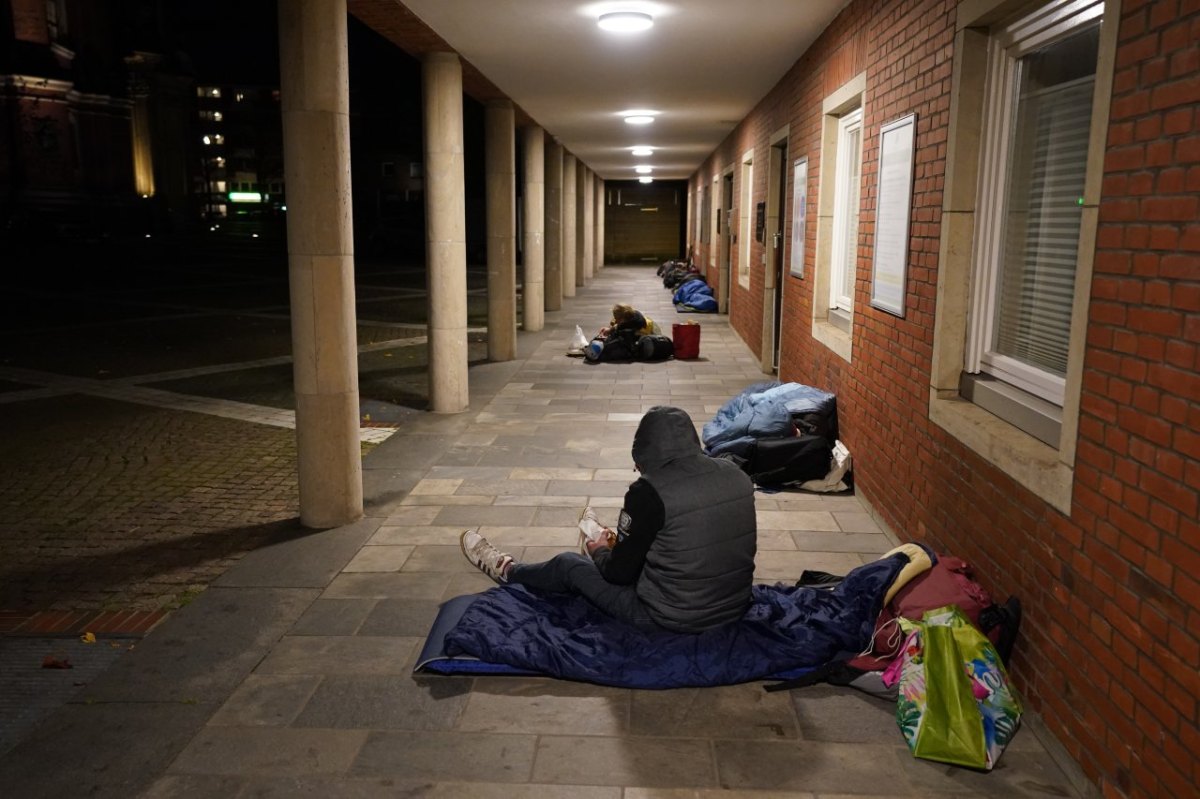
(787,630)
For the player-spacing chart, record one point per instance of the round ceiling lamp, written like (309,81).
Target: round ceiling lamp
(638,119)
(643,170)
(641,151)
(625,21)
(646,179)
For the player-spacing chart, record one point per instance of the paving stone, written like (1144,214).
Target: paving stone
(261,751)
(1033,774)
(545,707)
(417,585)
(808,520)
(400,617)
(809,766)
(736,711)
(409,535)
(266,700)
(193,786)
(664,762)
(841,542)
(310,560)
(831,713)
(473,757)
(338,788)
(338,655)
(473,516)
(386,703)
(333,617)
(379,559)
(203,651)
(102,750)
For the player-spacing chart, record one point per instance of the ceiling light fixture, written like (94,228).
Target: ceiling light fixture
(625,21)
(638,119)
(641,151)
(646,180)
(643,170)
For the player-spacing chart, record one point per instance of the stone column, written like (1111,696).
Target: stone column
(589,225)
(500,169)
(600,203)
(315,104)
(581,237)
(445,232)
(534,313)
(554,225)
(570,225)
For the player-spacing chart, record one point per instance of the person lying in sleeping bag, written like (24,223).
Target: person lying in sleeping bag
(682,556)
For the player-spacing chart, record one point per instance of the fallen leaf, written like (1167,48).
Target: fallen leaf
(88,638)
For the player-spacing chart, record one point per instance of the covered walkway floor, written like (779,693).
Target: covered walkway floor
(291,675)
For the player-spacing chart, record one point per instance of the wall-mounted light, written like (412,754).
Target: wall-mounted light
(625,21)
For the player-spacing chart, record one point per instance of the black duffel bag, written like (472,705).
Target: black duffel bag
(653,348)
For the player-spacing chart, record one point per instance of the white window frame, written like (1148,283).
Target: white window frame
(746,218)
(846,200)
(1049,24)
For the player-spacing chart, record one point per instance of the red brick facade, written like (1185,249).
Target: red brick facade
(1110,651)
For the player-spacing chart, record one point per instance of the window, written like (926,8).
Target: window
(746,220)
(1019,217)
(839,195)
(387,169)
(1039,111)
(847,180)
(208,91)
(212,116)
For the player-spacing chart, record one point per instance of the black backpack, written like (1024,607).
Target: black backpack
(654,348)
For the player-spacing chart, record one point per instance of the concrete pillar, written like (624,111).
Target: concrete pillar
(554,225)
(315,104)
(445,232)
(589,225)
(500,170)
(598,249)
(534,153)
(570,226)
(581,237)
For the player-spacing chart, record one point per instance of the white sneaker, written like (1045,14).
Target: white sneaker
(590,529)
(485,557)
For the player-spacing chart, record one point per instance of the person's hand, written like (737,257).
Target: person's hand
(607,539)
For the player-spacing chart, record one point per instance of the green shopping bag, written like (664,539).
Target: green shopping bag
(954,704)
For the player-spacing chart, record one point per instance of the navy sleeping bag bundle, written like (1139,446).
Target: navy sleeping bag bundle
(787,630)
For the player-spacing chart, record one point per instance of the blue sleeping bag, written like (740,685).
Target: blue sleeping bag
(563,635)
(764,410)
(696,295)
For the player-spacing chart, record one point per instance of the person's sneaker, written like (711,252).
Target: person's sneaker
(484,556)
(590,529)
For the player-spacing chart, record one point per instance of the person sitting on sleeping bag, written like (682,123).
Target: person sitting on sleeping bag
(682,556)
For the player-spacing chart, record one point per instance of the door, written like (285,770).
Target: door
(725,231)
(773,256)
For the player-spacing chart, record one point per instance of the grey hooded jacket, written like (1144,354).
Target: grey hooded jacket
(700,567)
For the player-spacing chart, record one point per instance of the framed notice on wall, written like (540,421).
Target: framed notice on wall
(799,215)
(893,208)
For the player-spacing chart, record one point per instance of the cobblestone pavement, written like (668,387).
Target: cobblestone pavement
(147,419)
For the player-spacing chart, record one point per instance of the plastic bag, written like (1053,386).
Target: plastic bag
(579,341)
(955,705)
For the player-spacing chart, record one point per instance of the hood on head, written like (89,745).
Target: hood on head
(664,434)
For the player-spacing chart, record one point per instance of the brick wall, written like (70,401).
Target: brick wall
(1110,649)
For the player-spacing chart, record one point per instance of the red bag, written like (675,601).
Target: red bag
(686,338)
